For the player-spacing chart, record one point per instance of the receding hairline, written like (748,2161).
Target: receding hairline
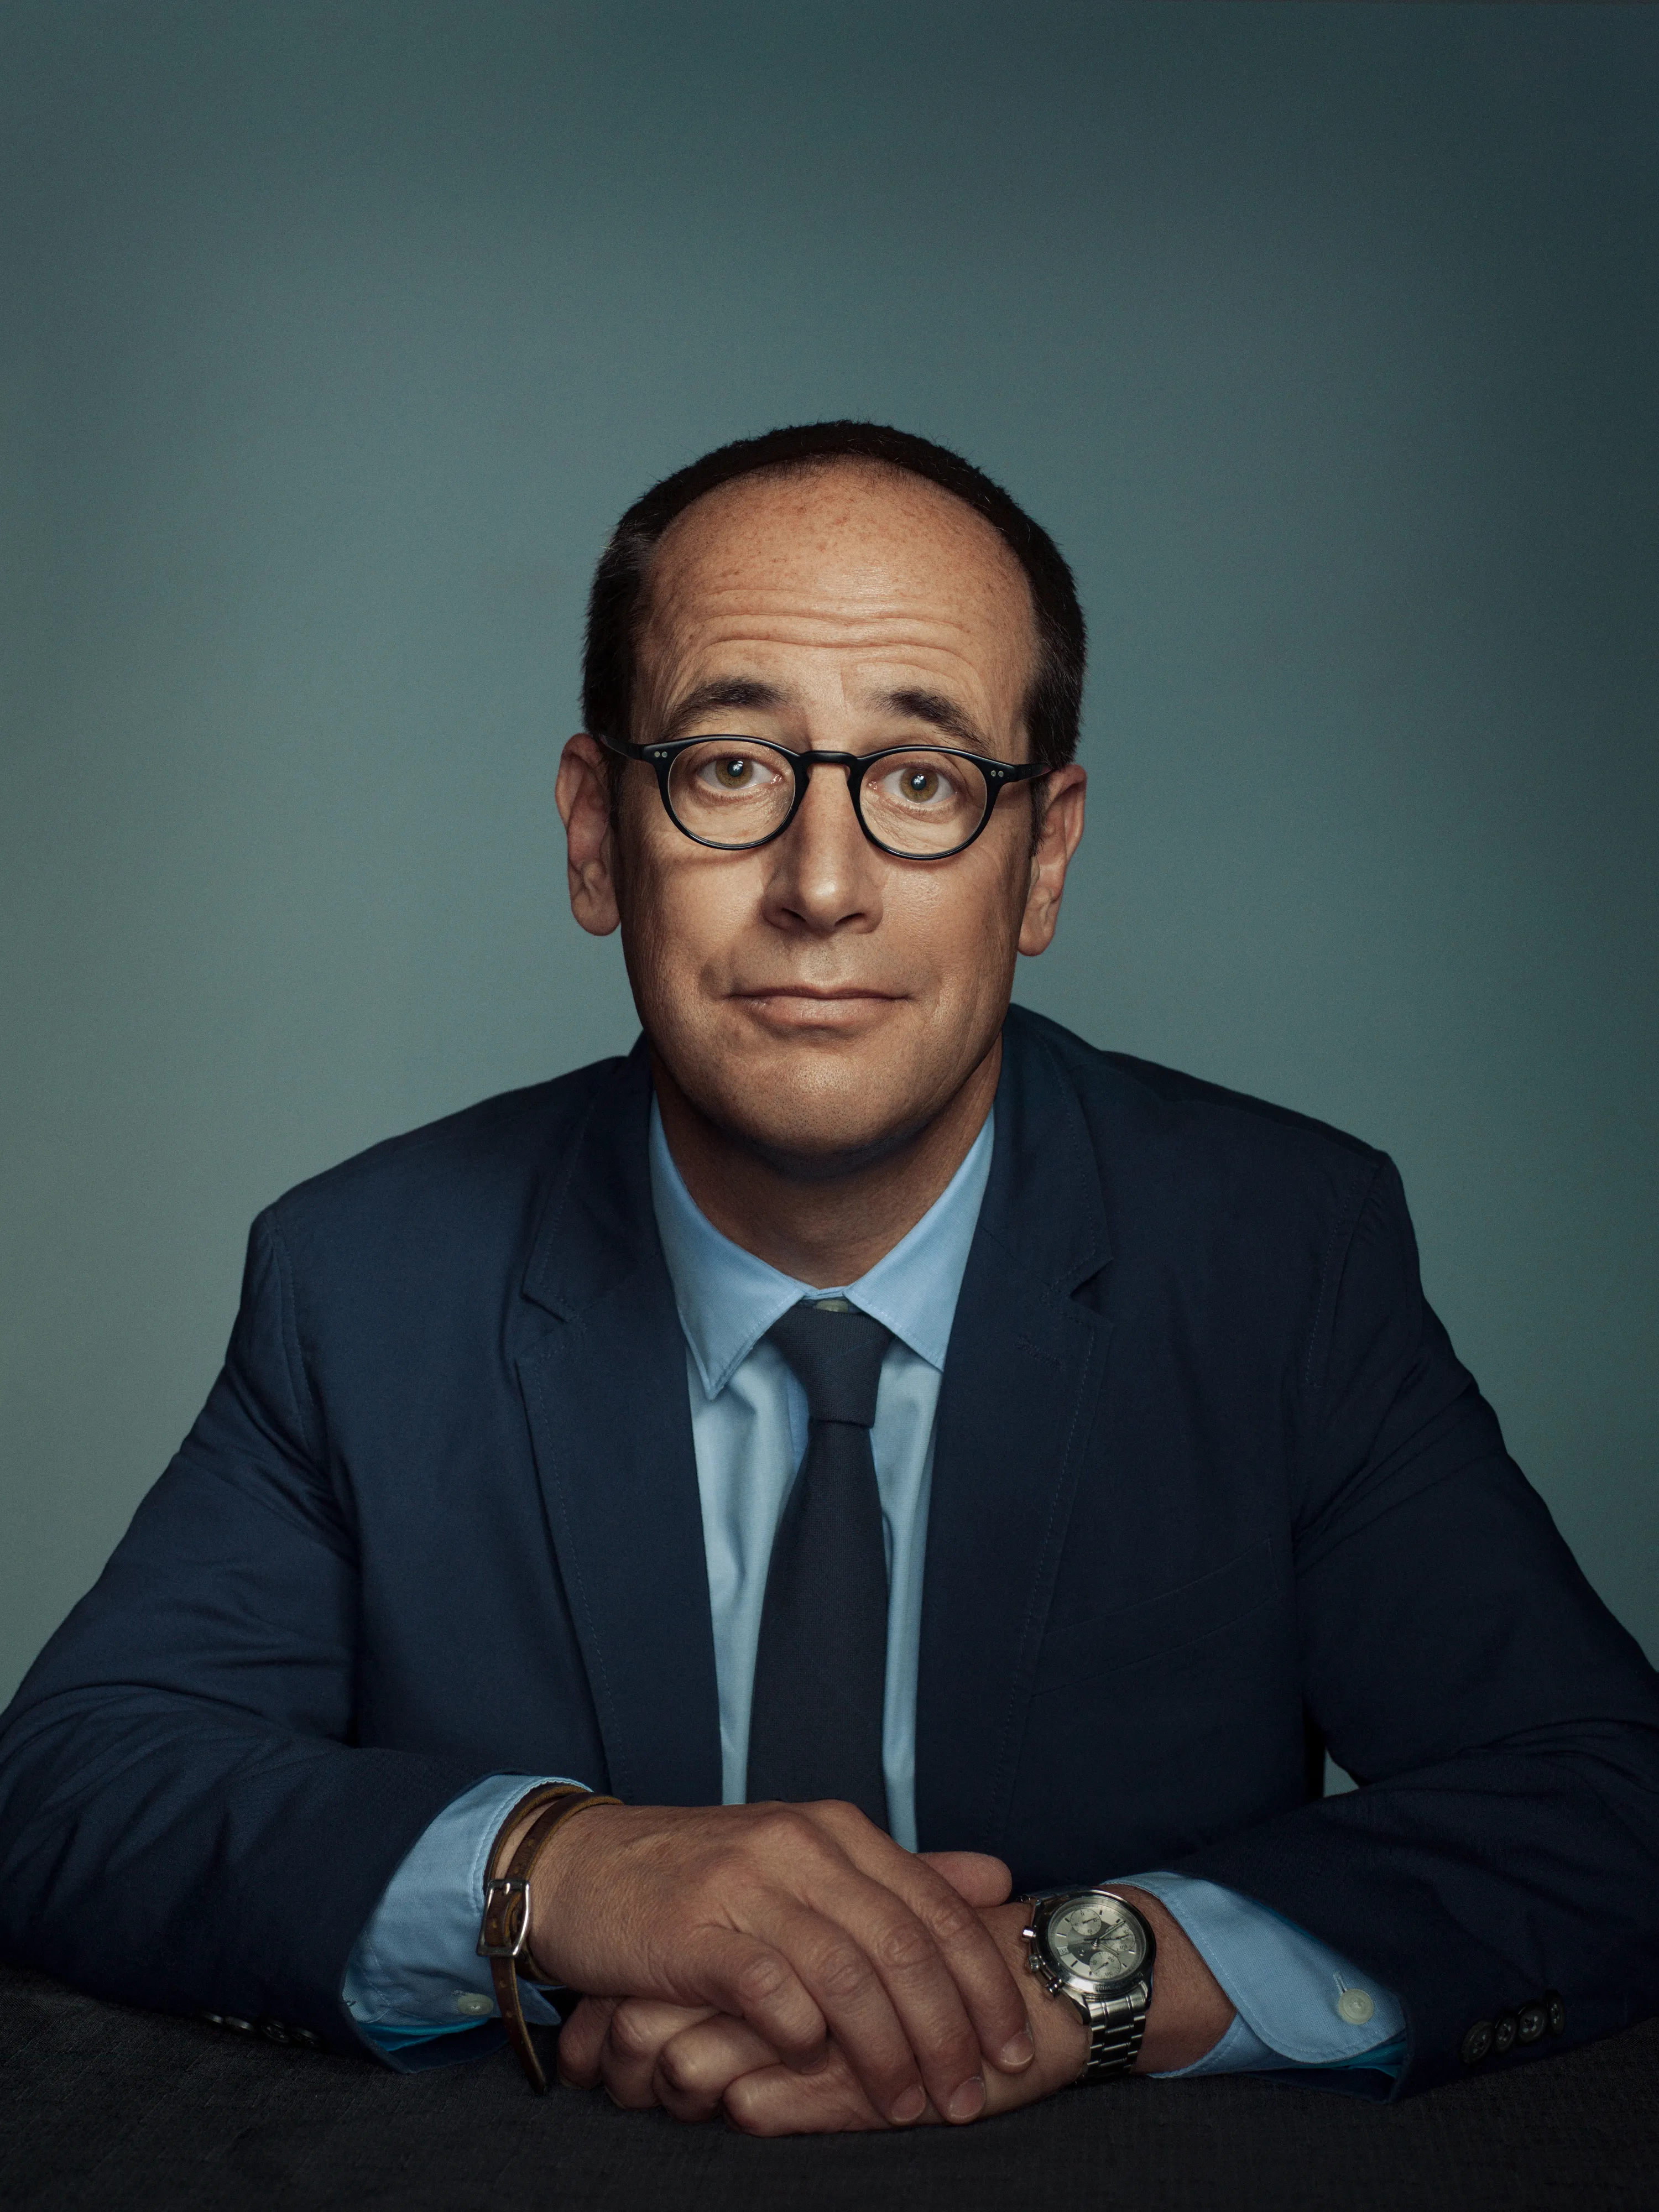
(868,465)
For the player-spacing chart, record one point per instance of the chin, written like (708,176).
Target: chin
(816,1121)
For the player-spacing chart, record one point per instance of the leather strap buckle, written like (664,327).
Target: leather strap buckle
(504,1933)
(505,1919)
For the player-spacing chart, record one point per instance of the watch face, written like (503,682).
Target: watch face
(1096,1938)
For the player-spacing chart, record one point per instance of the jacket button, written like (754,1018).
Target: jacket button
(273,2031)
(1558,2012)
(238,2026)
(1534,2019)
(306,2038)
(1477,2043)
(1503,2031)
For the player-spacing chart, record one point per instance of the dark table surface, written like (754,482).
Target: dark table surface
(104,2107)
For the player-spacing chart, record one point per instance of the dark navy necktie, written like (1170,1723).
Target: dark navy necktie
(815,1725)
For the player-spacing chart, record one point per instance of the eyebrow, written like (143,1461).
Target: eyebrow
(917,705)
(722,691)
(940,713)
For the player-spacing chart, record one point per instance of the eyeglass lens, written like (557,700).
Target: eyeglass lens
(918,803)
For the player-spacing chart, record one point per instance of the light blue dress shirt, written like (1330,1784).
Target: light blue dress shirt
(415,1976)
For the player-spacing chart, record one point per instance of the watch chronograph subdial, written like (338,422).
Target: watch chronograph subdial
(1096,1941)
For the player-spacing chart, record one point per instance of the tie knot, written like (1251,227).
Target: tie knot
(836,1352)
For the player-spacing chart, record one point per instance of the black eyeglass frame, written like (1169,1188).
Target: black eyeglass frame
(997,775)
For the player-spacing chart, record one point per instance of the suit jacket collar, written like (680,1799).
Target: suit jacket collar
(596,1226)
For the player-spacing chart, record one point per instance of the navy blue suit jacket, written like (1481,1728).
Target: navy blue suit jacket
(1210,1491)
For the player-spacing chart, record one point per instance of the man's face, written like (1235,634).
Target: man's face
(815,998)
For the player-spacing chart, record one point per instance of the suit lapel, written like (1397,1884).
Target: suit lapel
(605,1393)
(1017,1405)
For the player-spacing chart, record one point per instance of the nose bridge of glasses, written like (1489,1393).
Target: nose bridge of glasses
(852,767)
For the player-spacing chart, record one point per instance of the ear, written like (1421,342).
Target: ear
(1059,834)
(583,794)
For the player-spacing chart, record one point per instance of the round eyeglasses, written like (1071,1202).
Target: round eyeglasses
(914,802)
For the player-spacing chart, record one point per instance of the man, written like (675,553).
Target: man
(865,1418)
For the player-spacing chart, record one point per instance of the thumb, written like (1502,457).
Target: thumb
(978,1879)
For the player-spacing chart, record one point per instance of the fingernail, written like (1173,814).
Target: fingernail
(910,2106)
(967,2100)
(1018,2051)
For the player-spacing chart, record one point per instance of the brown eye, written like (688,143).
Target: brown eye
(921,784)
(734,773)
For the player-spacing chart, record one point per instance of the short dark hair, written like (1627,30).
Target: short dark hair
(1055,701)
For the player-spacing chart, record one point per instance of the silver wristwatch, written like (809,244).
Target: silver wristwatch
(1091,1946)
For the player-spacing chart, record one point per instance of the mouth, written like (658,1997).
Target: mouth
(815,1006)
(836,995)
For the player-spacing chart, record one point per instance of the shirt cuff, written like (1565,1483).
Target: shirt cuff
(415,1972)
(1297,2002)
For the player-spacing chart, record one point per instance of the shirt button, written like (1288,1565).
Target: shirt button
(1477,2043)
(472,2004)
(1355,2006)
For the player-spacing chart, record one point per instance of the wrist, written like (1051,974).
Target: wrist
(1189,2011)
(557,1889)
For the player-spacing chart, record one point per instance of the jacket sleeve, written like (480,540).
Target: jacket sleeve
(1503,1729)
(185,1820)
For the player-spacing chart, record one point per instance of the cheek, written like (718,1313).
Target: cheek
(682,914)
(961,919)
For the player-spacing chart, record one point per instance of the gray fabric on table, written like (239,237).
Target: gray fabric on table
(108,2109)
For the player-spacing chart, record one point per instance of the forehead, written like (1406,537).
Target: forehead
(852,558)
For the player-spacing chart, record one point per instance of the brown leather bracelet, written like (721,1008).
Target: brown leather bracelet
(504,1938)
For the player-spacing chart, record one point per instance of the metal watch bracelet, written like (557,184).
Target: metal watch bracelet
(1116,2025)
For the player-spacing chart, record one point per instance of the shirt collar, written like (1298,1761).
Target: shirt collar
(728,1299)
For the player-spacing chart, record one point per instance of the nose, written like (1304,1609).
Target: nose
(825,875)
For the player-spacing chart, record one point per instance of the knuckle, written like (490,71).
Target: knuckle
(951,1921)
(904,1947)
(782,1827)
(631,2034)
(842,1970)
(760,1978)
(681,2070)
(745,2104)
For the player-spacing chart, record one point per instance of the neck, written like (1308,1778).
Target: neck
(822,1227)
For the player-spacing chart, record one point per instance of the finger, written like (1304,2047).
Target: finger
(581,2041)
(986,1987)
(695,2068)
(775,2102)
(943,1974)
(877,1976)
(977,1878)
(639,2029)
(755,1982)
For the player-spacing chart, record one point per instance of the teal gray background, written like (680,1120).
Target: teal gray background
(333,340)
